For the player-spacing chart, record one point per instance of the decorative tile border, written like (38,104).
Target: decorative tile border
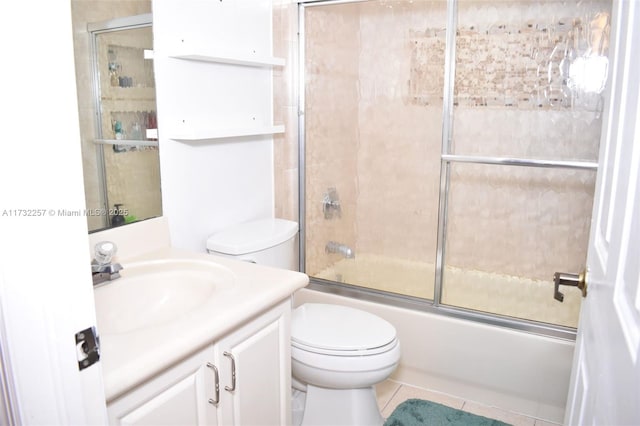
(528,67)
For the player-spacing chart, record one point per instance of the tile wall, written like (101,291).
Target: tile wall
(285,109)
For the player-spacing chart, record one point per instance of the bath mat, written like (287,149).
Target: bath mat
(417,412)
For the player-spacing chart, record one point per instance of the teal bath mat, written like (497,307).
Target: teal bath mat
(417,412)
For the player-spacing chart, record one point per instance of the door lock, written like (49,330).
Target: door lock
(574,280)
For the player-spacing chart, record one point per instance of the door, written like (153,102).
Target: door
(605,381)
(184,394)
(255,372)
(46,294)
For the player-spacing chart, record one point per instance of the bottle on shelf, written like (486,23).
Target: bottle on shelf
(136,132)
(119,135)
(118,218)
(118,130)
(151,125)
(114,68)
(113,74)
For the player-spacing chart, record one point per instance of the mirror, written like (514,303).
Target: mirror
(118,124)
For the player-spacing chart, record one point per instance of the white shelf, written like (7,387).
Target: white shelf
(246,60)
(126,142)
(229,133)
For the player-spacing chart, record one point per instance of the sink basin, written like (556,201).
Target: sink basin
(156,292)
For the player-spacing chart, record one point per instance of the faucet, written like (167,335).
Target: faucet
(331,204)
(345,251)
(102,270)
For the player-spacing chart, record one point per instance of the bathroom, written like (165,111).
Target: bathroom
(62,245)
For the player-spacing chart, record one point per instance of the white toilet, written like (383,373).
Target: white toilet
(338,354)
(271,242)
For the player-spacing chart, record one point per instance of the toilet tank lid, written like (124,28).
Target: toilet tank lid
(252,236)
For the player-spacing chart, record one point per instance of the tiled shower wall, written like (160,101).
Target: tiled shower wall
(502,219)
(285,94)
(332,122)
(398,168)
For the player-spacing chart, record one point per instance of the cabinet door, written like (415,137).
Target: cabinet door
(179,396)
(261,353)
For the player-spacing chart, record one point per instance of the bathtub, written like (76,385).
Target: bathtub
(513,370)
(501,294)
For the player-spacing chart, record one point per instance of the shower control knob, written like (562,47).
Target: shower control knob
(574,280)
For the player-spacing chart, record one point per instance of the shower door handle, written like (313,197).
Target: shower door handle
(574,280)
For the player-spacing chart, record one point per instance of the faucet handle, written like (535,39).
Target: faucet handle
(104,252)
(331,204)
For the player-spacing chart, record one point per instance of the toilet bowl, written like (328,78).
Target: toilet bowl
(338,355)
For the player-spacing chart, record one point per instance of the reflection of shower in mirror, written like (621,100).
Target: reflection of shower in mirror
(116,96)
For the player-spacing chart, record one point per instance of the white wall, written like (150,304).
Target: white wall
(210,184)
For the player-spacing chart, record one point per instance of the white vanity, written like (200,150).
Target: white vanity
(176,324)
(196,339)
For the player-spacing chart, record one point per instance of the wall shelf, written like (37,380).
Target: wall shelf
(246,60)
(228,133)
(125,142)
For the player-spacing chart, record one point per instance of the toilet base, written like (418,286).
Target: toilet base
(341,407)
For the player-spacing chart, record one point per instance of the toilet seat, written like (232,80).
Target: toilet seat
(341,363)
(340,331)
(339,352)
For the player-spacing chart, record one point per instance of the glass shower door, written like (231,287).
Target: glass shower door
(526,131)
(373,122)
(459,186)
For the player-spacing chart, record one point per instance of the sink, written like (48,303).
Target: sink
(156,292)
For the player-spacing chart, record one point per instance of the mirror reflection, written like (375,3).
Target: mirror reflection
(118,124)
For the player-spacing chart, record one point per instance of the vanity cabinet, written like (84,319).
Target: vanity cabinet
(178,396)
(251,367)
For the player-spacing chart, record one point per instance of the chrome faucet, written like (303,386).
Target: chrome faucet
(331,204)
(345,251)
(102,270)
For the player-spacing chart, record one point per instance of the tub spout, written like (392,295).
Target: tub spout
(342,249)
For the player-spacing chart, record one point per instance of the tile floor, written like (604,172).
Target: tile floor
(391,394)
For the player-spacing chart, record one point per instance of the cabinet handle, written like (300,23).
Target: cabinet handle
(216,386)
(233,372)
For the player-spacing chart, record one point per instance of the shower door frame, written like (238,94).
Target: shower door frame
(446,159)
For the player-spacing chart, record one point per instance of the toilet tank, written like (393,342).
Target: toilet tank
(270,242)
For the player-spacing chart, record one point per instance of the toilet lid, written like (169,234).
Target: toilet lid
(339,328)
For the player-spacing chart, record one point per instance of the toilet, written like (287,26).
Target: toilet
(338,353)
(270,242)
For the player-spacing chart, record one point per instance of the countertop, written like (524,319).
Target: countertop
(128,359)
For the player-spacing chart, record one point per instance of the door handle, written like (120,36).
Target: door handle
(574,280)
(233,372)
(216,385)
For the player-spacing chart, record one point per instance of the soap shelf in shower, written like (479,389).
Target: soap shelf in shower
(125,142)
(245,60)
(228,133)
